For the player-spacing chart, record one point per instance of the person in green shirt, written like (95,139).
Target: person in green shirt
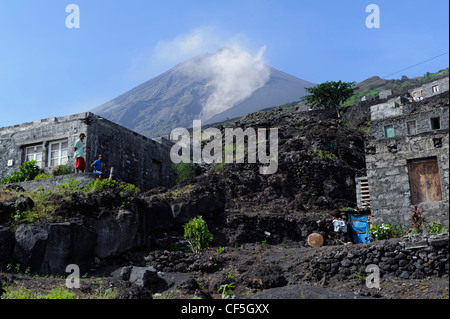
(80,163)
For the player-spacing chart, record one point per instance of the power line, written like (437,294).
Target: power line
(384,77)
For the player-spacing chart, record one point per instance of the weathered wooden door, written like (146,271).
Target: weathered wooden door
(424,181)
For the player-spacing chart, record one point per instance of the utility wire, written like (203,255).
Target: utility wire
(384,77)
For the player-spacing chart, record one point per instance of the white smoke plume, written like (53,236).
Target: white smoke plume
(232,72)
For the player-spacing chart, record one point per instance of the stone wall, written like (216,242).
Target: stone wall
(390,108)
(387,172)
(134,157)
(411,257)
(423,123)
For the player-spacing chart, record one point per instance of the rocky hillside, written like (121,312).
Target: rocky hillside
(318,159)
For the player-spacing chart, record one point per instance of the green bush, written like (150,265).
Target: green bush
(197,234)
(15,177)
(436,228)
(183,171)
(103,184)
(28,171)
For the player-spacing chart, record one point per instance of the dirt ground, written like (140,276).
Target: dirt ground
(257,271)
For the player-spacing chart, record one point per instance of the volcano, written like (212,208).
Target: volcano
(212,87)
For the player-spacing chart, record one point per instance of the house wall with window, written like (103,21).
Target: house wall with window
(407,162)
(51,143)
(415,123)
(430,89)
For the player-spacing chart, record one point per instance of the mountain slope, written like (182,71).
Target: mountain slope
(400,85)
(210,87)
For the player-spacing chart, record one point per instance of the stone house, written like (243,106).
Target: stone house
(384,94)
(429,89)
(407,161)
(134,158)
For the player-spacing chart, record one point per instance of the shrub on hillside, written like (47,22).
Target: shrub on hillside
(28,171)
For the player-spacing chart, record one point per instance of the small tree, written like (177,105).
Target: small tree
(329,95)
(196,232)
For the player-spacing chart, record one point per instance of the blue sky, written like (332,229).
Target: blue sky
(47,69)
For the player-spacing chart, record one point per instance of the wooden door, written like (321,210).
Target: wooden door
(424,181)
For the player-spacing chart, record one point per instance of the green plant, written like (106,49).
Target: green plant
(436,228)
(183,171)
(226,289)
(104,184)
(71,185)
(400,230)
(15,177)
(360,275)
(233,273)
(27,171)
(17,269)
(18,293)
(25,293)
(42,176)
(322,155)
(28,216)
(58,293)
(379,232)
(264,244)
(63,170)
(197,234)
(220,250)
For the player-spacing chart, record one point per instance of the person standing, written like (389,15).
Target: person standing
(80,163)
